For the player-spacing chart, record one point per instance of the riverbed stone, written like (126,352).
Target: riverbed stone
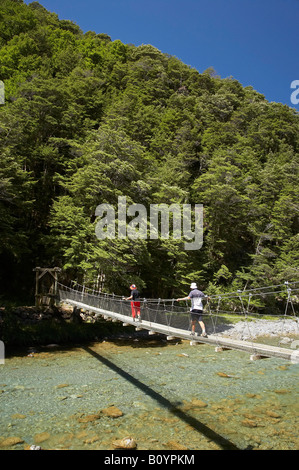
(18,416)
(125,443)
(194,404)
(112,412)
(249,423)
(41,437)
(11,441)
(272,414)
(175,445)
(91,440)
(89,418)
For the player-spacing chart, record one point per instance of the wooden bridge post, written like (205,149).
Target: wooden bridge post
(40,293)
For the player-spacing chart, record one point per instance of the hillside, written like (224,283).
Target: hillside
(87,120)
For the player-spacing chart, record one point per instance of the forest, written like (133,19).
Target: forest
(87,120)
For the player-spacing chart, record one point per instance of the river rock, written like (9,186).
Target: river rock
(62,385)
(194,404)
(41,437)
(198,403)
(222,374)
(18,416)
(89,418)
(125,443)
(11,441)
(249,423)
(175,445)
(112,412)
(91,440)
(272,414)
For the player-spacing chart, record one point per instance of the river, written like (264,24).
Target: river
(164,395)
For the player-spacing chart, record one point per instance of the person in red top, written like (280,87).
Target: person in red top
(135,302)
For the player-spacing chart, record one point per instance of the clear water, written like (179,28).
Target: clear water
(171,395)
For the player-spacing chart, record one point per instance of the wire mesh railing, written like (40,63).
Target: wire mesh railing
(219,310)
(159,313)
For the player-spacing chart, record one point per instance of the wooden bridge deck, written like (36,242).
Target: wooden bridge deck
(255,349)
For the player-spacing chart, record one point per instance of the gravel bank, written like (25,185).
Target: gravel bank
(253,329)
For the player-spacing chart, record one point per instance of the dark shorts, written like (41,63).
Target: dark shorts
(196,315)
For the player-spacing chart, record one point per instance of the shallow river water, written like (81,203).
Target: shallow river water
(165,395)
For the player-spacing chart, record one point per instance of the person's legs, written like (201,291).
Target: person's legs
(194,320)
(133,309)
(196,316)
(137,306)
(203,328)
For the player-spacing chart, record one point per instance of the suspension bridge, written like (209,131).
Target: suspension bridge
(165,316)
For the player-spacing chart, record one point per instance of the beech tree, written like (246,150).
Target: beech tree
(87,119)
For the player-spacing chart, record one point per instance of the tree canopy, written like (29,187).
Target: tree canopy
(87,119)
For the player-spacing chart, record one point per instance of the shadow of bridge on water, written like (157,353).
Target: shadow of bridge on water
(172,407)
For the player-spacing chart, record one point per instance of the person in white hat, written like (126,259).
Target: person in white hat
(196,309)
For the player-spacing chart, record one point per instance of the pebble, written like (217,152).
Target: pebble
(125,443)
(18,416)
(272,414)
(222,374)
(175,445)
(62,385)
(249,423)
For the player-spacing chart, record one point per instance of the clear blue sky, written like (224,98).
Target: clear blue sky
(254,41)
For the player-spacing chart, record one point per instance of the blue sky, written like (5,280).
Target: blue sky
(254,41)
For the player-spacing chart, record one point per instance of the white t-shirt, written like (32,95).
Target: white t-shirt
(196,299)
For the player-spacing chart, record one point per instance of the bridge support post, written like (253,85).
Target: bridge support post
(257,357)
(221,348)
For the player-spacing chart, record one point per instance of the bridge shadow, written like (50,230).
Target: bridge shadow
(173,408)
(141,340)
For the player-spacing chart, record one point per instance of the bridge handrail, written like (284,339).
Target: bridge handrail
(174,314)
(232,294)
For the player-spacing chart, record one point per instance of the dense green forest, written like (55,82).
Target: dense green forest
(87,119)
